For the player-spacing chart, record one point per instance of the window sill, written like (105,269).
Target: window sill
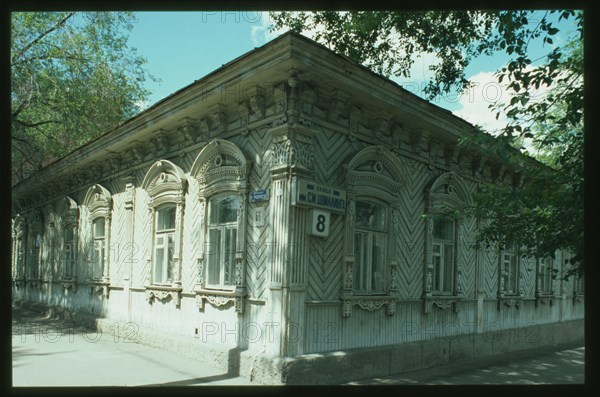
(510,301)
(220,298)
(368,302)
(163,293)
(69,283)
(98,286)
(442,302)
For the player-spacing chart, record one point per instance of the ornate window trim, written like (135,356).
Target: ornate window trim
(448,192)
(544,275)
(98,200)
(20,249)
(373,174)
(222,168)
(166,183)
(508,298)
(35,245)
(69,219)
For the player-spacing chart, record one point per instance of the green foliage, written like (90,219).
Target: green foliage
(72,79)
(546,212)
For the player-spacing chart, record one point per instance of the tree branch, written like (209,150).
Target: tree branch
(40,37)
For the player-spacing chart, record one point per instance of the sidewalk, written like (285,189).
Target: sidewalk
(562,364)
(51,352)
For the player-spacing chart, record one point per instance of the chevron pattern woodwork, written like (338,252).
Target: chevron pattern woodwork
(325,262)
(258,240)
(143,238)
(411,231)
(489,267)
(468,256)
(331,150)
(85,245)
(119,256)
(191,238)
(528,276)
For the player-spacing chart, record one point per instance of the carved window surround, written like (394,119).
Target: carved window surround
(166,183)
(373,174)
(99,202)
(163,294)
(369,303)
(448,191)
(220,298)
(222,168)
(578,297)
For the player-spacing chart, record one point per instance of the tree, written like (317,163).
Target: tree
(73,77)
(546,213)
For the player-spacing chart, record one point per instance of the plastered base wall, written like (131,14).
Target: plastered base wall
(338,366)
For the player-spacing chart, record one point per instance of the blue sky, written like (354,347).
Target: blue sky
(182,47)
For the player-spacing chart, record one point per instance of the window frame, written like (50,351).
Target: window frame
(224,229)
(545,275)
(169,235)
(513,274)
(99,249)
(371,234)
(443,244)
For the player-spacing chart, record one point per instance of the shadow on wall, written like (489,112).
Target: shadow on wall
(233,371)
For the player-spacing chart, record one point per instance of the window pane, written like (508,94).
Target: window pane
(378,262)
(229,265)
(99,228)
(224,209)
(165,218)
(370,215)
(170,258)
(68,234)
(360,261)
(448,267)
(158,264)
(214,257)
(443,229)
(97,259)
(437,271)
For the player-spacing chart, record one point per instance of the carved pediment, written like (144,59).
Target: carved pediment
(220,163)
(98,200)
(449,189)
(164,182)
(377,167)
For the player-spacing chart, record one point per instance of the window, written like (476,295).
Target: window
(98,235)
(510,270)
(35,256)
(164,240)
(222,238)
(370,243)
(443,255)
(70,247)
(20,260)
(545,275)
